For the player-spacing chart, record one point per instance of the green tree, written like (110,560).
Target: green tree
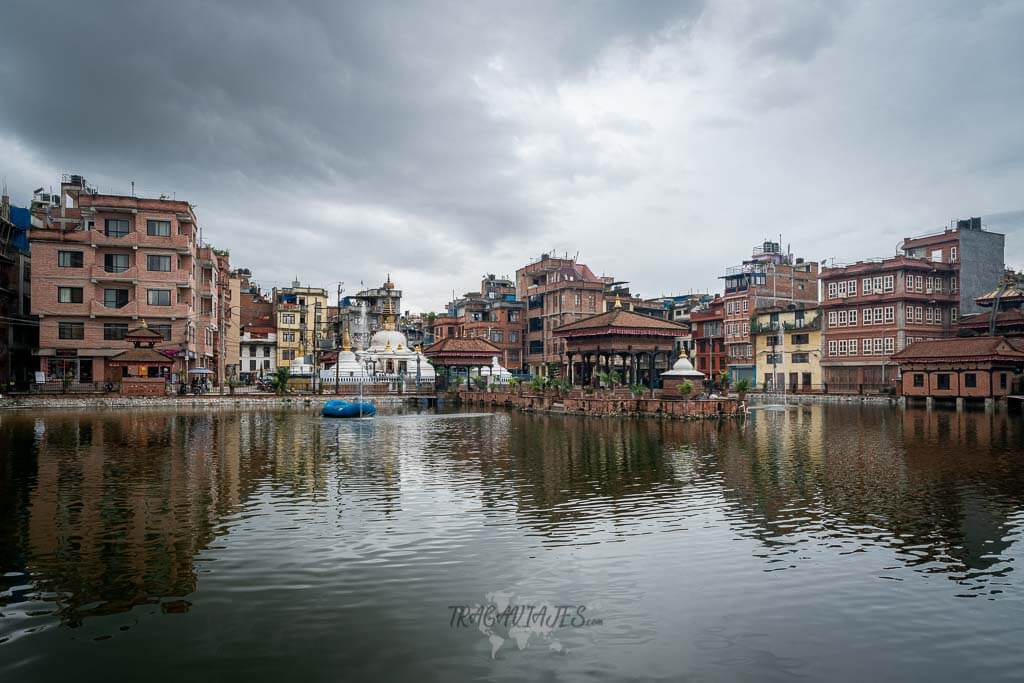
(685,387)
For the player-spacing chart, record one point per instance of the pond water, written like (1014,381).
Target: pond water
(825,542)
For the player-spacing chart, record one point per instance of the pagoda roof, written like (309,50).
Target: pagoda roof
(963,349)
(143,332)
(140,356)
(620,321)
(461,348)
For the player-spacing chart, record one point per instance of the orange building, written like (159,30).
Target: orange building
(961,368)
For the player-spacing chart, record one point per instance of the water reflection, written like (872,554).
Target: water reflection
(107,511)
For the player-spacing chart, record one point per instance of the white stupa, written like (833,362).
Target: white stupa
(389,352)
(683,369)
(349,367)
(495,373)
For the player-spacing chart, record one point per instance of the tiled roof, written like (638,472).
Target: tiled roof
(983,319)
(964,348)
(141,357)
(465,346)
(621,320)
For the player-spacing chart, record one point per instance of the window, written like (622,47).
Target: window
(801,339)
(746,305)
(918,379)
(115,263)
(865,286)
(952,255)
(887,283)
(842,288)
(69,259)
(851,288)
(266,352)
(890,344)
(252,366)
(158,297)
(890,313)
(842,347)
(774,359)
(842,318)
(70,330)
(877,286)
(158,228)
(69,295)
(942,381)
(853,317)
(1002,380)
(115,298)
(954,313)
(832,348)
(513,336)
(164,329)
(266,365)
(878,345)
(919,283)
(952,284)
(288,354)
(928,315)
(158,263)
(831,318)
(287,318)
(970,380)
(865,347)
(289,336)
(831,290)
(114,331)
(115,227)
(800,357)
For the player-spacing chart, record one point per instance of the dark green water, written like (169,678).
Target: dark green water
(839,543)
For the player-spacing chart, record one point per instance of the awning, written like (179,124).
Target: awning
(200,371)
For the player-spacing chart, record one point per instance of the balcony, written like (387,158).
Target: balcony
(105,274)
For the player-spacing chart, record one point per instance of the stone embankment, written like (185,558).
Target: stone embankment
(605,402)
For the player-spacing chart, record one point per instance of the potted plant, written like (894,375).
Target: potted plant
(456,382)
(685,388)
(480,383)
(280,380)
(637,390)
(741,389)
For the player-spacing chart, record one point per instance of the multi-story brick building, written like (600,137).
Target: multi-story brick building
(301,322)
(873,309)
(18,332)
(494,313)
(769,278)
(707,325)
(557,291)
(102,263)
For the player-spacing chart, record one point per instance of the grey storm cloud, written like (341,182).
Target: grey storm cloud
(441,140)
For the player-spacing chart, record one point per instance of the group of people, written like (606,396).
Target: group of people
(196,386)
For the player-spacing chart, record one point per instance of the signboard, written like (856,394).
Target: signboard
(66,353)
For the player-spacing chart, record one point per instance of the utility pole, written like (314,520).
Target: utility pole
(337,345)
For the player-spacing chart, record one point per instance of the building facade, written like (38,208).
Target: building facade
(103,263)
(708,330)
(301,323)
(873,309)
(557,291)
(19,333)
(363,314)
(494,313)
(787,348)
(979,368)
(769,278)
(257,353)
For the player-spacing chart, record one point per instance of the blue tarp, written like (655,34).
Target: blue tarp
(22,220)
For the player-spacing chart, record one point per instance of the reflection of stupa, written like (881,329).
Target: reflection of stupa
(389,352)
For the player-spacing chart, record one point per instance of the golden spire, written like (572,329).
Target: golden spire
(618,301)
(387,347)
(388,315)
(142,323)
(346,342)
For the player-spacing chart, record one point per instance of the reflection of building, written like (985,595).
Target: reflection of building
(769,278)
(875,308)
(787,347)
(557,291)
(102,263)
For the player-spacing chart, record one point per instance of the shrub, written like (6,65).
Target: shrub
(685,387)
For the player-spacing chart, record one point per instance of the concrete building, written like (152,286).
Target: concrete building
(557,291)
(769,278)
(102,264)
(787,348)
(494,313)
(257,353)
(363,314)
(19,333)
(873,309)
(301,323)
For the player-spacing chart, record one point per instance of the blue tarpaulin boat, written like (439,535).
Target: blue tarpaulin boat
(348,409)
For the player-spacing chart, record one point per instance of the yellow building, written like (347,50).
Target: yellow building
(300,315)
(787,348)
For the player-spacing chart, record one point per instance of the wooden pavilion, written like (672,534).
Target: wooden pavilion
(144,370)
(460,352)
(619,341)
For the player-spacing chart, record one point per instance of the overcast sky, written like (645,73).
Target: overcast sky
(440,141)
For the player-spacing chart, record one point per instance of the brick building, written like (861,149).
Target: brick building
(707,325)
(557,291)
(18,331)
(973,369)
(494,313)
(873,309)
(771,277)
(103,263)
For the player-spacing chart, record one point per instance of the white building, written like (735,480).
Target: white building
(257,353)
